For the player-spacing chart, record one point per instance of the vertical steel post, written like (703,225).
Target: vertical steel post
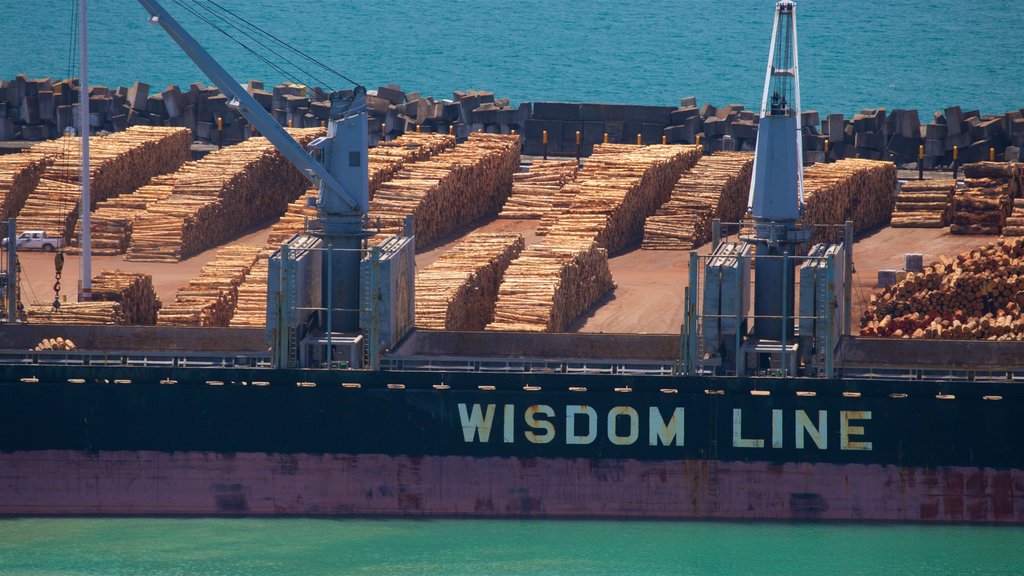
(830,299)
(12,271)
(86,199)
(684,333)
(374,344)
(694,320)
(848,277)
(330,303)
(785,308)
(742,264)
(281,352)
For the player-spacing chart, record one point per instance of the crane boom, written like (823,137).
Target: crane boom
(331,188)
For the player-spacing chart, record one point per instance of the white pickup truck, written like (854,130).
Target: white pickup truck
(36,240)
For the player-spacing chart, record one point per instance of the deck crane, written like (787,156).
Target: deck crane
(332,255)
(787,336)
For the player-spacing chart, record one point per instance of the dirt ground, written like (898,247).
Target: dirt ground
(37,271)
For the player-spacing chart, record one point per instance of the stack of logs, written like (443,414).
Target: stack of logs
(1014,225)
(717,187)
(619,189)
(976,296)
(209,298)
(550,284)
(457,291)
(112,220)
(57,343)
(219,197)
(19,175)
(982,206)
(76,313)
(251,307)
(448,191)
(541,190)
(389,156)
(134,291)
(924,204)
(852,189)
(119,163)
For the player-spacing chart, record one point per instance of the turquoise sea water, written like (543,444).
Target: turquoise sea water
(122,547)
(924,54)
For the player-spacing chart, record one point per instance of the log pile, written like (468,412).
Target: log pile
(1015,221)
(541,190)
(209,298)
(224,194)
(389,156)
(987,199)
(57,343)
(980,209)
(717,187)
(550,285)
(924,204)
(385,161)
(76,313)
(458,291)
(251,308)
(448,191)
(134,291)
(19,175)
(618,189)
(863,191)
(977,295)
(119,163)
(113,218)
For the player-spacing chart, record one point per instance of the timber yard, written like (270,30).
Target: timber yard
(282,301)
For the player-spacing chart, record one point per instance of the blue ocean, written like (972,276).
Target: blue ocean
(853,53)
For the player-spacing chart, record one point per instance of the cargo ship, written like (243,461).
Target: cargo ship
(762,407)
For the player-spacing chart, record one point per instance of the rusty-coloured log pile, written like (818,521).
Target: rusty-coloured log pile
(717,187)
(976,296)
(209,298)
(987,199)
(217,198)
(924,204)
(19,176)
(449,191)
(552,283)
(619,189)
(119,163)
(134,291)
(458,291)
(540,191)
(77,313)
(852,189)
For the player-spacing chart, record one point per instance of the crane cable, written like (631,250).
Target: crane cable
(285,44)
(242,44)
(65,176)
(255,39)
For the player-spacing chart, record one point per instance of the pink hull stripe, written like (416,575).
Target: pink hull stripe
(208,483)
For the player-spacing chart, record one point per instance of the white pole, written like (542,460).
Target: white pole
(83,106)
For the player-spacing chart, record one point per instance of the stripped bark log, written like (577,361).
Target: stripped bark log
(458,291)
(717,187)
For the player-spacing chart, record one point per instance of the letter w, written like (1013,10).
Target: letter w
(475,423)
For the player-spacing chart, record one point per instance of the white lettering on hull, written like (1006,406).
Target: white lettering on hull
(623,427)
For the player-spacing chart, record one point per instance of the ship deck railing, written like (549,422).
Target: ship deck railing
(134,359)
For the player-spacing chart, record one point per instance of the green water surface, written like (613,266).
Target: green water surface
(86,547)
